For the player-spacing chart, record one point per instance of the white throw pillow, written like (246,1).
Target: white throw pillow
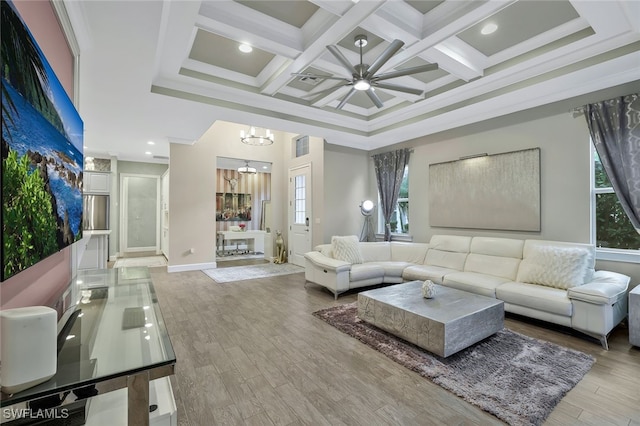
(557,267)
(326,250)
(347,249)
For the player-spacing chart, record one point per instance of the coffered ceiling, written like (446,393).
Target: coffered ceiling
(165,71)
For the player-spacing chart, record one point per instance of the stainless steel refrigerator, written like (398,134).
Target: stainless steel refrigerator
(95,212)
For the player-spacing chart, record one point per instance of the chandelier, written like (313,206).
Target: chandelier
(246,170)
(258,140)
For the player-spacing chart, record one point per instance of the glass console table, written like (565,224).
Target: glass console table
(112,337)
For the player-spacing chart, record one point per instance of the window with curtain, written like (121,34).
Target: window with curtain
(400,217)
(611,226)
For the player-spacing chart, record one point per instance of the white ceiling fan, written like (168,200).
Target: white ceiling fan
(363,76)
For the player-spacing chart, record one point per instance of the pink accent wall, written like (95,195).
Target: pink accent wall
(44,26)
(43,283)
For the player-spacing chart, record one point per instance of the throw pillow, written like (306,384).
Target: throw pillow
(557,267)
(326,250)
(347,249)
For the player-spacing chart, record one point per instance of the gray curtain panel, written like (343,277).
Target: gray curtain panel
(615,130)
(389,167)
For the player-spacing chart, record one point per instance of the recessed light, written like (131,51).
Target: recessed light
(148,152)
(265,167)
(151,143)
(489,28)
(245,48)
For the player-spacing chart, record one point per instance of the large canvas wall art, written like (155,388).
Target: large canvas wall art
(41,153)
(499,192)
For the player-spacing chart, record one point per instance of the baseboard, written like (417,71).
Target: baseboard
(191,267)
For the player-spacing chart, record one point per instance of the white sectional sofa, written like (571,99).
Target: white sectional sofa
(547,280)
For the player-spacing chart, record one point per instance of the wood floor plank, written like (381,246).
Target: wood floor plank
(277,411)
(243,397)
(250,352)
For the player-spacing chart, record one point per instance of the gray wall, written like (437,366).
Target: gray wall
(346,182)
(565,172)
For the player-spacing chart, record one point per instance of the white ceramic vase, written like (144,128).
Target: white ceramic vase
(428,289)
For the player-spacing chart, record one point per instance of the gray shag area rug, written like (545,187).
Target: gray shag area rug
(516,378)
(240,273)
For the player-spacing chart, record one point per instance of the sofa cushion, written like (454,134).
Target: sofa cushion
(541,298)
(554,266)
(375,251)
(450,243)
(503,247)
(366,271)
(473,282)
(391,269)
(445,259)
(426,272)
(408,252)
(347,249)
(503,267)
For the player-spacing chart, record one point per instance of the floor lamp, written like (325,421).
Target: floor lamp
(366,208)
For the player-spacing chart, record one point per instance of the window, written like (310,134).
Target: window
(611,228)
(400,217)
(302,146)
(300,195)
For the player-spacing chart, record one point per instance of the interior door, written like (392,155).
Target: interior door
(299,213)
(140,214)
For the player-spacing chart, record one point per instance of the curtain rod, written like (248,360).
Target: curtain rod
(578,111)
(410,150)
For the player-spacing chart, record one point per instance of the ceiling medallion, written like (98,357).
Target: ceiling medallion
(257,140)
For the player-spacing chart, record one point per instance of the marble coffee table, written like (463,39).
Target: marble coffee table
(451,321)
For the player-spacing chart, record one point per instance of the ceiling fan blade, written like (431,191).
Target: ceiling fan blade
(346,98)
(397,88)
(328,90)
(319,77)
(406,71)
(341,58)
(384,56)
(374,98)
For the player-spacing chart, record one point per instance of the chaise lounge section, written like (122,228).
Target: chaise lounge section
(551,281)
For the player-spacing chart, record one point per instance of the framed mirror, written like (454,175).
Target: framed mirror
(265,217)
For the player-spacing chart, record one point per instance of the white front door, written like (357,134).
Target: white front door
(299,213)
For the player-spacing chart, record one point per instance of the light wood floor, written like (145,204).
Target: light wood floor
(251,353)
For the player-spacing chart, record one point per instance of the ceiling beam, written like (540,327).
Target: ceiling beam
(338,30)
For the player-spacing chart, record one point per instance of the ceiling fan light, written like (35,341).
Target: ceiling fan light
(362,84)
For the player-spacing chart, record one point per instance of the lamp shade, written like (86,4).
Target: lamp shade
(366,208)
